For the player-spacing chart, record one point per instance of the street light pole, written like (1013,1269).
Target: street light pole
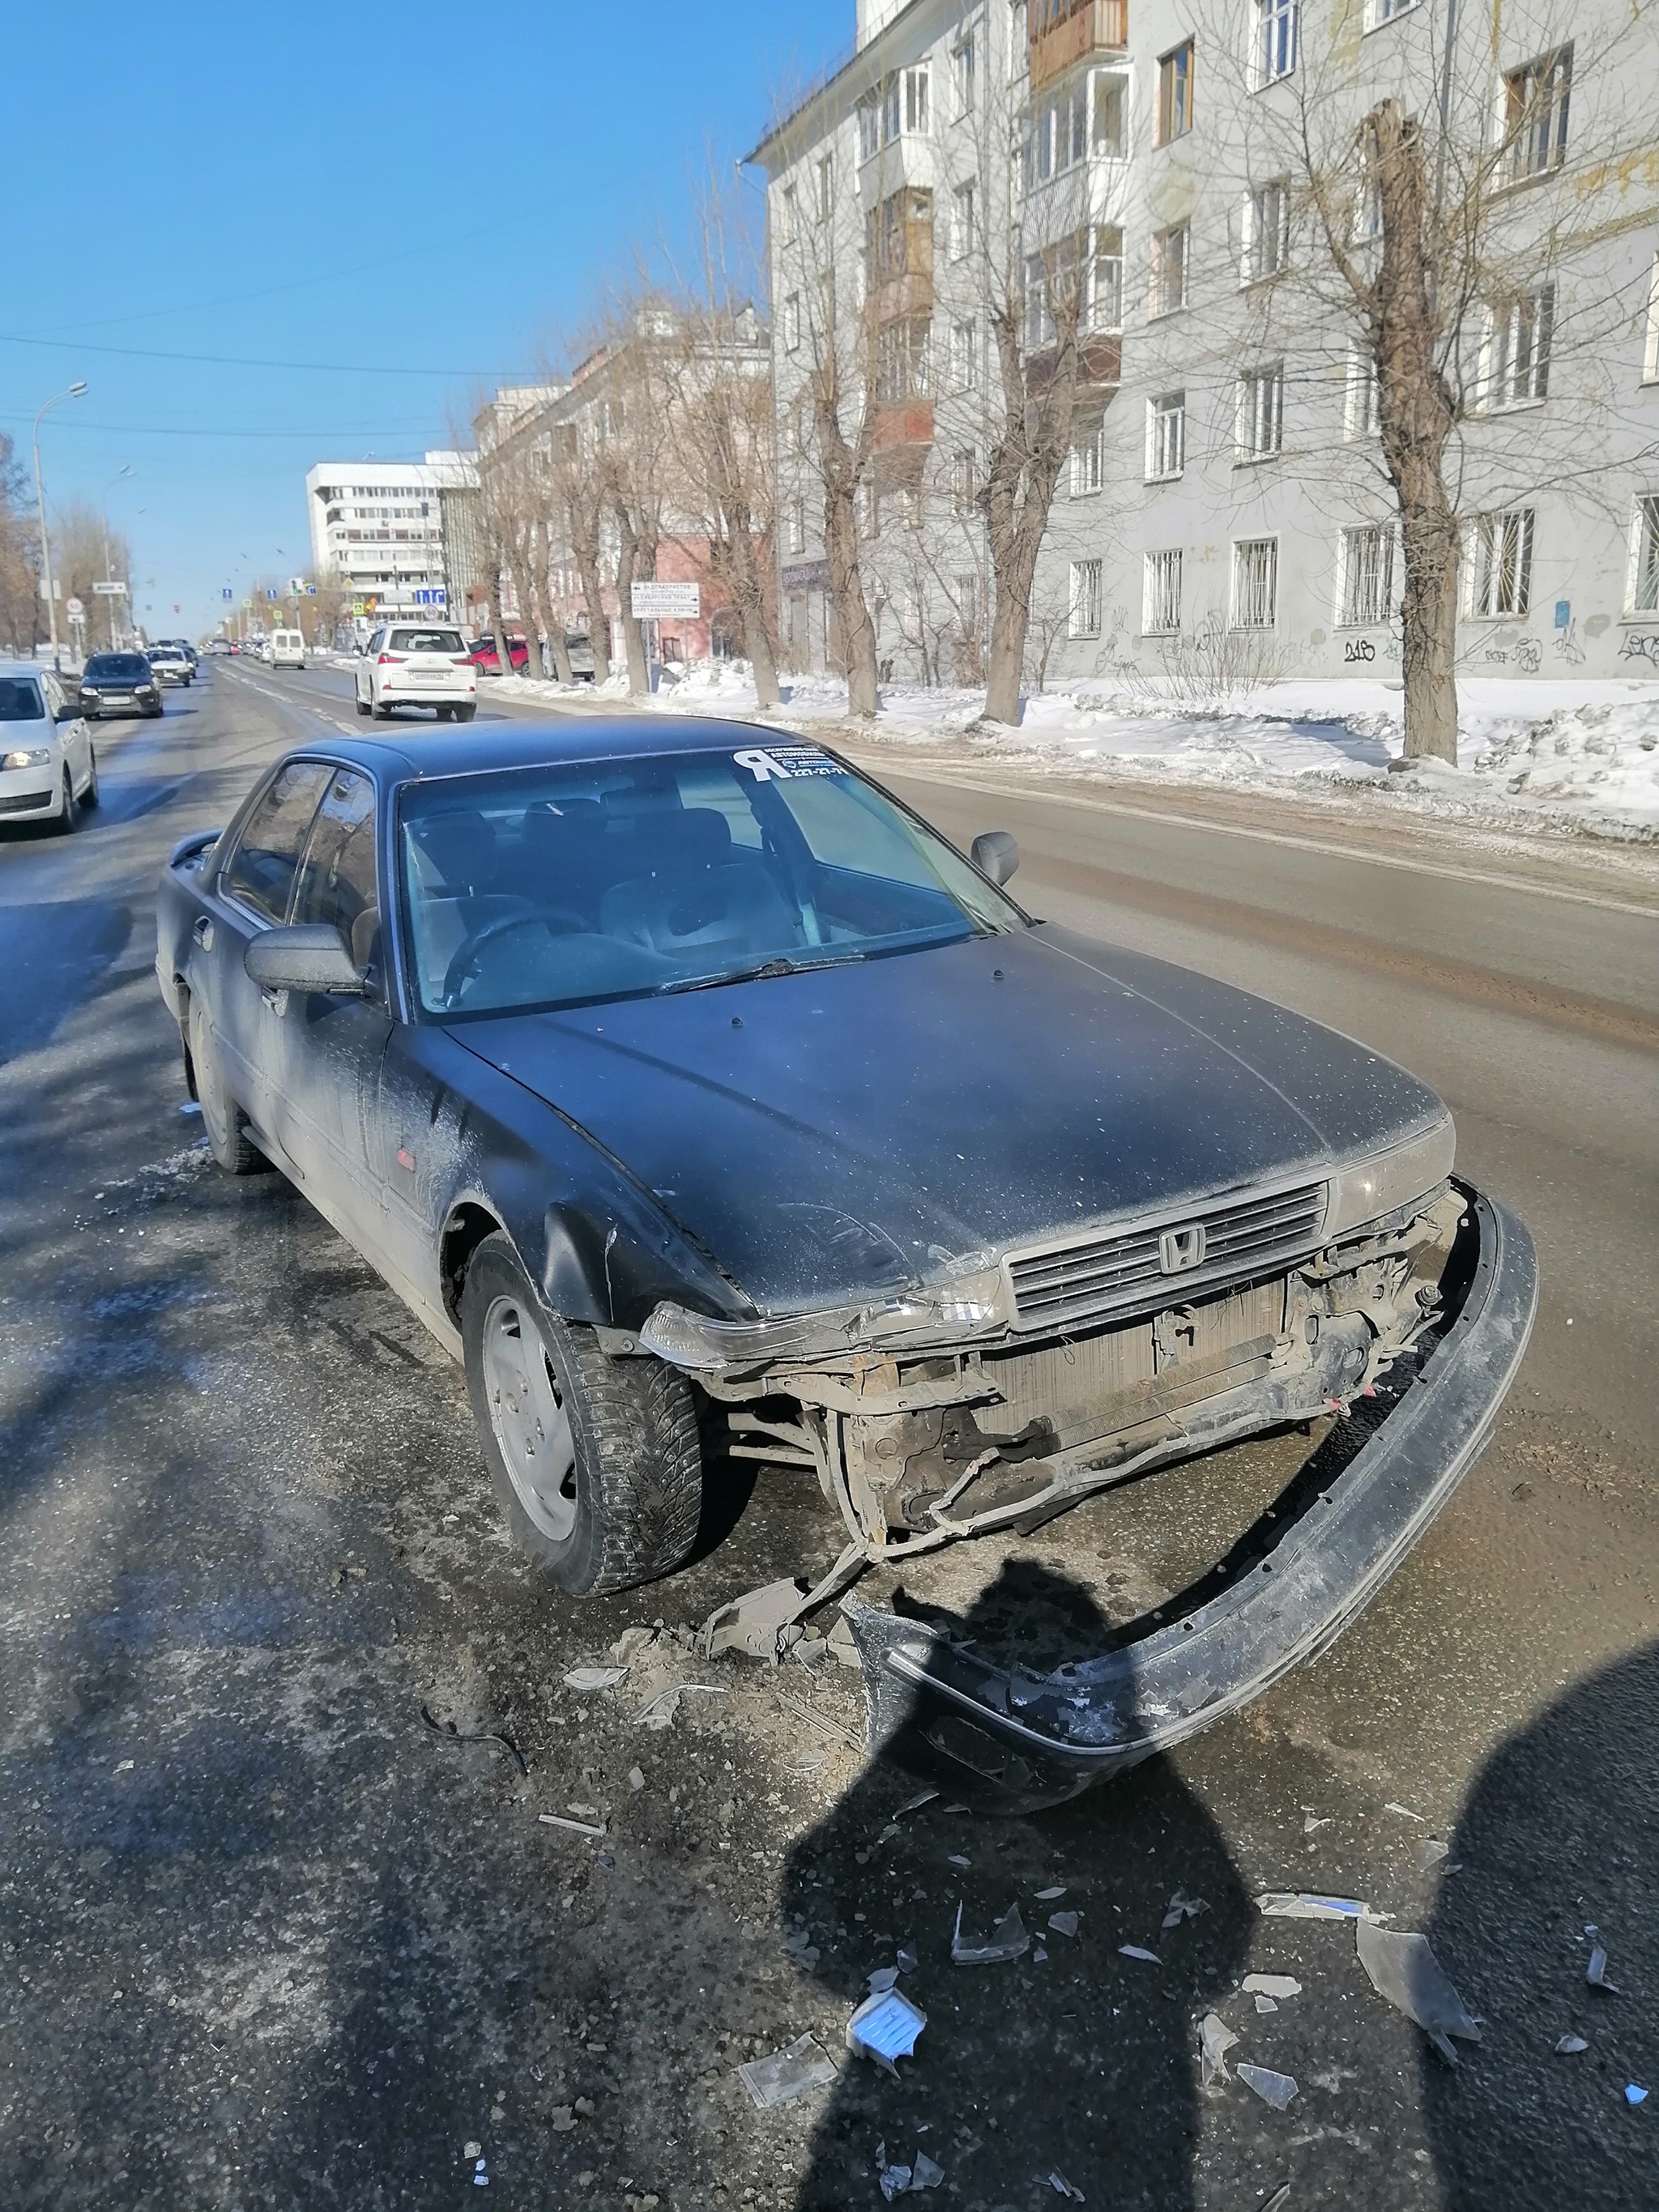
(75,391)
(126,470)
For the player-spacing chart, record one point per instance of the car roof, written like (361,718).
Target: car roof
(419,759)
(22,668)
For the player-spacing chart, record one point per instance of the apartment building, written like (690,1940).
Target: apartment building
(1189,172)
(377,531)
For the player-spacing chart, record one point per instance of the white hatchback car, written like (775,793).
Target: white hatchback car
(48,770)
(409,664)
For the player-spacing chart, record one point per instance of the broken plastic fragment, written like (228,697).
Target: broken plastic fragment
(885,2027)
(883,1978)
(1215,2040)
(1274,2089)
(956,1860)
(659,1712)
(594,1678)
(1061,2187)
(1404,1811)
(906,1959)
(472,2150)
(1301,1905)
(1007,1939)
(892,2180)
(1404,1969)
(1139,1951)
(1310,1826)
(1063,1924)
(630,1641)
(576,1827)
(1184,1908)
(1634,2093)
(1267,2004)
(1570,2046)
(787,2074)
(1048,1896)
(1596,1973)
(1272,1985)
(1431,1851)
(914,1804)
(926,2173)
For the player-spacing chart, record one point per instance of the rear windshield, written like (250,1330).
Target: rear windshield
(116,668)
(427,641)
(620,879)
(20,700)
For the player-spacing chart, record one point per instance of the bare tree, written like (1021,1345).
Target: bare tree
(575,486)
(20,556)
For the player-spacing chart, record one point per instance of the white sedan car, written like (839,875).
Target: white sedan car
(48,770)
(405,664)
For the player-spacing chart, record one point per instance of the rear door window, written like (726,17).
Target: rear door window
(260,875)
(338,881)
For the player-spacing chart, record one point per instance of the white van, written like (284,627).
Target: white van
(288,649)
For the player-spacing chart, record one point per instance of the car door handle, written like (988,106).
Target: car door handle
(202,931)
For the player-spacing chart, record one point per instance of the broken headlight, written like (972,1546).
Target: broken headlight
(692,1340)
(1388,1180)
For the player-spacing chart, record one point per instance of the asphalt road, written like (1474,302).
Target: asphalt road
(268,1936)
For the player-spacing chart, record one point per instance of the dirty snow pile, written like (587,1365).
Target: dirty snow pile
(1567,754)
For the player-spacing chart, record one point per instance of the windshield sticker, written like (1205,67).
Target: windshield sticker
(785,761)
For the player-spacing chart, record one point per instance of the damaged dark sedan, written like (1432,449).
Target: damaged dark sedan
(700,1098)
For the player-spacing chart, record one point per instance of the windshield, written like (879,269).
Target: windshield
(20,700)
(609,880)
(427,641)
(116,668)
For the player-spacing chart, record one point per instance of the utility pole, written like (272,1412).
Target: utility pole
(126,470)
(75,391)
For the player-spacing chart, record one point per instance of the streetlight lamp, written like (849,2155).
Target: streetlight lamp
(75,391)
(126,470)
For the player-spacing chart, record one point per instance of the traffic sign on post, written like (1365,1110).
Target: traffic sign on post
(75,609)
(226,594)
(113,590)
(681,602)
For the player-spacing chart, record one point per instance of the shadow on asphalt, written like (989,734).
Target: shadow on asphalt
(1568,1812)
(56,958)
(1082,2063)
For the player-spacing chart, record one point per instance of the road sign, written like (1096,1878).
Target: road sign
(683,602)
(111,591)
(226,594)
(271,592)
(75,609)
(431,597)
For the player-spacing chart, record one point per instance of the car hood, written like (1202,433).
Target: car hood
(888,1122)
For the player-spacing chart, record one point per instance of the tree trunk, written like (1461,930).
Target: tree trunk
(524,591)
(552,618)
(731,557)
(1417,409)
(639,675)
(498,628)
(856,632)
(1025,468)
(587,557)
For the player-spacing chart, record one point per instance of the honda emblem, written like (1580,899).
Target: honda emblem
(1180,1250)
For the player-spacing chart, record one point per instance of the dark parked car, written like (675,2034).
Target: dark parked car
(120,683)
(488,662)
(680,1078)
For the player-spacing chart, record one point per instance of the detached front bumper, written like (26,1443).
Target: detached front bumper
(1292,1586)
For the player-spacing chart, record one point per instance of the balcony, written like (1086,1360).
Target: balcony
(1066,32)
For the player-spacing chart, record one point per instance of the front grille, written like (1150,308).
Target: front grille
(1120,1275)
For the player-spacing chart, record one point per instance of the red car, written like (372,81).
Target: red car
(488,662)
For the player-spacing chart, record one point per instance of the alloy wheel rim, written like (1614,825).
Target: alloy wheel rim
(530,1420)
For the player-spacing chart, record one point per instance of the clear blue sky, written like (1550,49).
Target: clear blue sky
(424,189)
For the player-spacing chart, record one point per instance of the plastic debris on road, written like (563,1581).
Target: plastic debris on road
(1404,1811)
(1596,1973)
(1215,2040)
(1048,1896)
(1569,2046)
(594,1678)
(1311,1824)
(891,2180)
(905,1958)
(659,1712)
(926,2173)
(1184,1908)
(1007,1939)
(481,2174)
(1274,2089)
(914,1804)
(883,1978)
(884,2028)
(575,1827)
(1063,1924)
(1139,1951)
(1272,1985)
(1061,2187)
(1280,2199)
(472,2150)
(1405,1971)
(787,2074)
(1431,1851)
(1635,2094)
(1303,1905)
(1267,2004)
(630,1641)
(956,1859)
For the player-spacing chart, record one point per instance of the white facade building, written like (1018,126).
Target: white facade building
(376,531)
(1224,510)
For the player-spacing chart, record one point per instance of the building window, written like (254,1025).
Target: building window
(1644,557)
(892,111)
(902,369)
(1278,24)
(963,227)
(1103,303)
(1161,597)
(1166,437)
(1533,116)
(1175,93)
(787,206)
(1362,414)
(826,198)
(964,355)
(963,76)
(917,121)
(964,480)
(1367,591)
(1500,563)
(1260,412)
(1378,12)
(1518,334)
(1256,583)
(1171,250)
(1088,456)
(792,323)
(1085,599)
(899,236)
(798,525)
(869,130)
(1110,136)
(1266,231)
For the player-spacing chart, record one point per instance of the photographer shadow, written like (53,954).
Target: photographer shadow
(1082,2061)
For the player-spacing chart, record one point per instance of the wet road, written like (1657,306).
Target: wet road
(269,1938)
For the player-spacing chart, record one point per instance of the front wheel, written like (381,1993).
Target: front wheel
(595,1462)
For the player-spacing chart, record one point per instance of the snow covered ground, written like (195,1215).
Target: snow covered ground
(1578,757)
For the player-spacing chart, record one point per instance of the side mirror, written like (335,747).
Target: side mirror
(66,713)
(995,854)
(310,956)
